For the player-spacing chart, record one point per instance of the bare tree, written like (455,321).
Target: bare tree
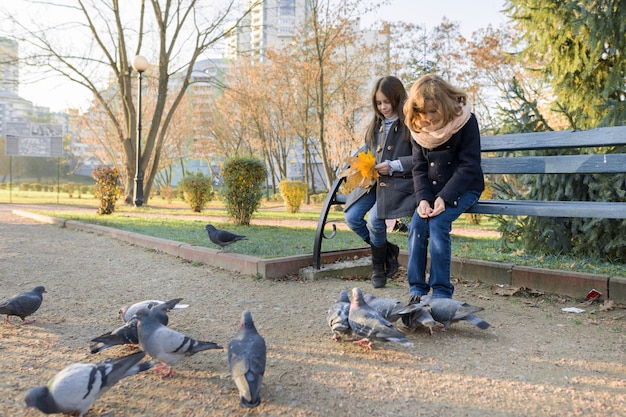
(172,34)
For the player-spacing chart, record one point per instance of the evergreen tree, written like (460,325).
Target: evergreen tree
(578,49)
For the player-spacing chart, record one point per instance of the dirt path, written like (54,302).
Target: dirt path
(535,360)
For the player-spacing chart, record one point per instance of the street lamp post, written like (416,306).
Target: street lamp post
(140,64)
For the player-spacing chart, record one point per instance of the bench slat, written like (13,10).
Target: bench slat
(601,137)
(589,209)
(563,164)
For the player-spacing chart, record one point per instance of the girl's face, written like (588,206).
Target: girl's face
(430,114)
(383,105)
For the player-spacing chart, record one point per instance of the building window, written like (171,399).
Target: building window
(287,7)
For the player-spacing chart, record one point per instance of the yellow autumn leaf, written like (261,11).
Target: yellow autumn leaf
(361,170)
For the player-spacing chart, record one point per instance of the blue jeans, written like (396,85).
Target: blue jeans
(437,229)
(374,229)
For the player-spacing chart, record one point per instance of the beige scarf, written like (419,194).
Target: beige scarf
(431,137)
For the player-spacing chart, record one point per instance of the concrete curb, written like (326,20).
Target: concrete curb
(351,263)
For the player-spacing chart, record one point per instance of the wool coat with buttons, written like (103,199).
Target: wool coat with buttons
(451,169)
(394,193)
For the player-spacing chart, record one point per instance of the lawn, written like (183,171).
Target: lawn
(177,222)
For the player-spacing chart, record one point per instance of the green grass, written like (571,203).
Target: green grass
(277,241)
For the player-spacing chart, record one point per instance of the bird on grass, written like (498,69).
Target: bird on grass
(223,238)
(74,389)
(246,361)
(23,305)
(128,334)
(368,325)
(165,344)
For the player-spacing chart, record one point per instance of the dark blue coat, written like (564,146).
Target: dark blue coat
(394,193)
(450,169)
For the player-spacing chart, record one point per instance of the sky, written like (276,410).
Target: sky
(471,15)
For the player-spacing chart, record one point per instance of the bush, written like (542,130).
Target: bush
(70,187)
(293,193)
(167,193)
(242,191)
(197,190)
(107,188)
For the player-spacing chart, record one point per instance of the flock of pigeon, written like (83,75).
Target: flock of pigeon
(365,319)
(368,319)
(75,388)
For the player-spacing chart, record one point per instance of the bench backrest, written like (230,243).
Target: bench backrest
(584,162)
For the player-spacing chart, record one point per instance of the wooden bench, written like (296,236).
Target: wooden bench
(493,162)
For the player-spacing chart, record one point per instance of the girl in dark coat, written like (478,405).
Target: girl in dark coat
(392,196)
(447,176)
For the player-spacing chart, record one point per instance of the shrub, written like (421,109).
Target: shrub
(242,191)
(167,193)
(25,186)
(107,188)
(70,186)
(293,193)
(197,190)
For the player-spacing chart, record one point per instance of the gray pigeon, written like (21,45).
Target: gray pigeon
(127,334)
(223,238)
(337,316)
(369,325)
(23,305)
(77,387)
(165,344)
(421,317)
(246,361)
(448,311)
(390,308)
(127,312)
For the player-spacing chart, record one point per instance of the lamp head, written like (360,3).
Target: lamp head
(140,63)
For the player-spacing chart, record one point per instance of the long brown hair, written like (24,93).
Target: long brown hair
(395,92)
(432,88)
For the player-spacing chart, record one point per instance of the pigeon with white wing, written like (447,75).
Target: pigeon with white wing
(127,312)
(165,344)
(246,361)
(127,334)
(74,389)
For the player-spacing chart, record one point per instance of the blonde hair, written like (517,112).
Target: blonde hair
(431,88)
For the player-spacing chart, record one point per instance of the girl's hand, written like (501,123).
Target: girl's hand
(424,209)
(439,207)
(382,168)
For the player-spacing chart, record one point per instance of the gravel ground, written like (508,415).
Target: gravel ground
(535,360)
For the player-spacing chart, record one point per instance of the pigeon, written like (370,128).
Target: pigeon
(390,308)
(337,316)
(127,312)
(78,386)
(447,311)
(369,325)
(23,305)
(421,317)
(246,361)
(165,344)
(223,238)
(127,334)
